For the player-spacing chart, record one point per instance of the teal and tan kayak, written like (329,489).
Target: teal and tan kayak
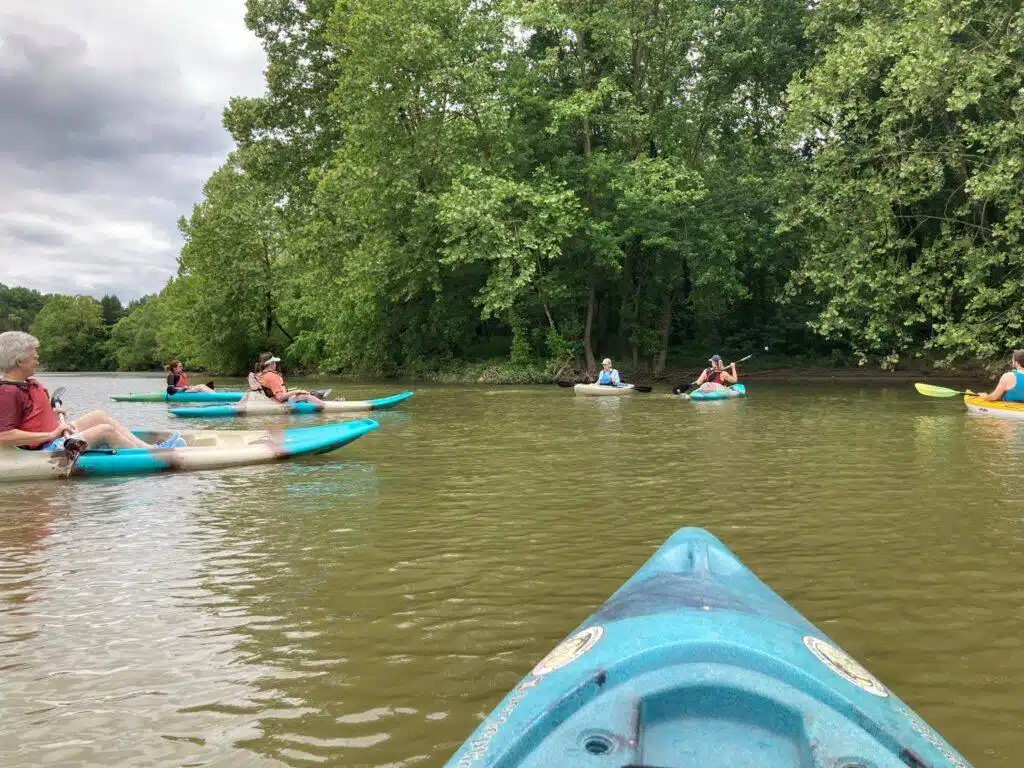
(180,397)
(723,393)
(695,663)
(258,405)
(203,449)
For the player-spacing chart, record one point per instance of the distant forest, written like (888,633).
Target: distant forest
(546,182)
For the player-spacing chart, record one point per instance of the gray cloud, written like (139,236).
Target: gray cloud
(110,124)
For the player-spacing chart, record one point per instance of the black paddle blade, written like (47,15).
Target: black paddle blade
(564,383)
(211,385)
(57,397)
(321,393)
(73,449)
(642,388)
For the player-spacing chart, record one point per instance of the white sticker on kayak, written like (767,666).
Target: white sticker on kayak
(845,666)
(569,650)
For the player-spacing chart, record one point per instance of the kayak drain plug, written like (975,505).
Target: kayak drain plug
(598,744)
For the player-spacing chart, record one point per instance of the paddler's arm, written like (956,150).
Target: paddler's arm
(17,437)
(701,379)
(616,380)
(730,378)
(1005,382)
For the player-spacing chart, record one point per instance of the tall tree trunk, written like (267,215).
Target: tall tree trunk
(666,325)
(588,324)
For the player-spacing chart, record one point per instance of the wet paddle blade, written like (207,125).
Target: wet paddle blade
(930,390)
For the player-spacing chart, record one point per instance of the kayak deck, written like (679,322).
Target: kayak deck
(695,662)
(204,449)
(257,405)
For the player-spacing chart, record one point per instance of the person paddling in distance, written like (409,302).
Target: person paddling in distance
(177,380)
(1010,388)
(267,380)
(717,375)
(28,420)
(608,377)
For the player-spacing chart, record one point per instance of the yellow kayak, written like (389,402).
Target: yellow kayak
(998,408)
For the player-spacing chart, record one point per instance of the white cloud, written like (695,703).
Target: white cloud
(110,125)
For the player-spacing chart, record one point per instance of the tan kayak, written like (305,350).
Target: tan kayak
(603,390)
(203,449)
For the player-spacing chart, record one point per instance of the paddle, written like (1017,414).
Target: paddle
(930,390)
(678,390)
(73,447)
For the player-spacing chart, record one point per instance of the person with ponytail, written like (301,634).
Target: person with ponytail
(177,380)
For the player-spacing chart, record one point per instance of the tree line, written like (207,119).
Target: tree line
(77,333)
(428,181)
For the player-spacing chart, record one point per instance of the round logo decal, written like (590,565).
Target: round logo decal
(845,666)
(569,650)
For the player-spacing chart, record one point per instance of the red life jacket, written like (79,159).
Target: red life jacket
(36,412)
(180,380)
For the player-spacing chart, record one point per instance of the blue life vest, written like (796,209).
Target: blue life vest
(605,378)
(1015,395)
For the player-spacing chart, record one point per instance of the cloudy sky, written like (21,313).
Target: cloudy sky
(110,117)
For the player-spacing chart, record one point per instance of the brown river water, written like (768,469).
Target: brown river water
(367,607)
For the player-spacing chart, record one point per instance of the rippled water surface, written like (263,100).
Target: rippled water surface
(367,607)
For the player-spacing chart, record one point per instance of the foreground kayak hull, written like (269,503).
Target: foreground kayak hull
(1000,409)
(603,390)
(205,449)
(695,662)
(264,406)
(728,393)
(181,397)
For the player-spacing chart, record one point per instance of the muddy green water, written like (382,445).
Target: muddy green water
(367,607)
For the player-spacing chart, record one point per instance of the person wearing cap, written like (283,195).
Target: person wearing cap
(268,380)
(717,375)
(608,377)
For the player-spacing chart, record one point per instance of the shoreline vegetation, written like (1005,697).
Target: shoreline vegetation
(534,182)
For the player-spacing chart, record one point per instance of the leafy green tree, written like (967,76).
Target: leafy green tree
(225,306)
(911,123)
(113,310)
(134,340)
(18,307)
(71,334)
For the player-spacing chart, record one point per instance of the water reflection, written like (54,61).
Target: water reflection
(366,607)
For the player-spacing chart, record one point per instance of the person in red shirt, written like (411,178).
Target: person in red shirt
(28,420)
(267,379)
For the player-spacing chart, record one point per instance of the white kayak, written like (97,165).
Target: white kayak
(203,449)
(603,390)
(256,404)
